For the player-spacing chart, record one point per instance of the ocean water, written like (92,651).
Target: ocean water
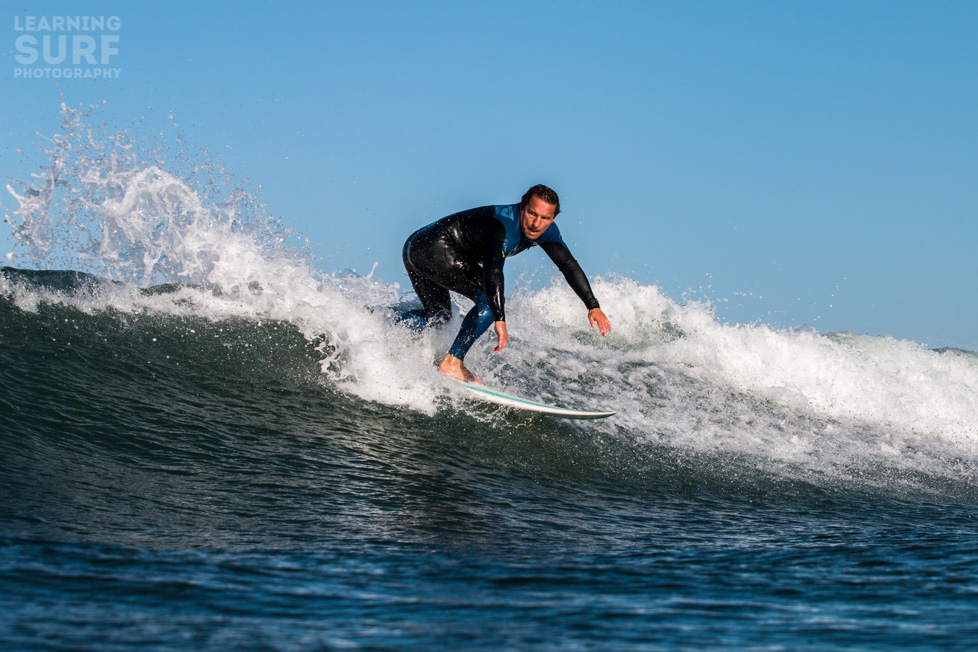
(208,443)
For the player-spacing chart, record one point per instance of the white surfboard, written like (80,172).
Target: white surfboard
(491,395)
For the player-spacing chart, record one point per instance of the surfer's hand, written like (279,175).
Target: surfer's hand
(502,335)
(597,318)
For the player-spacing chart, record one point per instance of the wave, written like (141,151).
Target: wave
(148,241)
(800,403)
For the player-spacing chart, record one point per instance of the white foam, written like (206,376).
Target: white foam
(677,376)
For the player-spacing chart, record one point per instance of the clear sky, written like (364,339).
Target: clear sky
(796,162)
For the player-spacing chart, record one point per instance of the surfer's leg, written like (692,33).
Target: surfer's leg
(476,322)
(436,300)
(434,269)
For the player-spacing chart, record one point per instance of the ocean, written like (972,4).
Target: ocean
(208,443)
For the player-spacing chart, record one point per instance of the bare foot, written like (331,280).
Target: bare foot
(453,367)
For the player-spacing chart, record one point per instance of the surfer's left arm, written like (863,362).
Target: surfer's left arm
(597,318)
(575,277)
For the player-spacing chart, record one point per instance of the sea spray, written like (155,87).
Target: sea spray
(136,212)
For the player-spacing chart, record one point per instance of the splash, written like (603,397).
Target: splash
(106,204)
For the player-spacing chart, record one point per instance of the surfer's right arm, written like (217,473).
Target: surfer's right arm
(502,335)
(493,282)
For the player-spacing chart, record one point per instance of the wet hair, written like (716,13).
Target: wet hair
(542,192)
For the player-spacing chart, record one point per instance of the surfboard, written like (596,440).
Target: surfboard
(490,395)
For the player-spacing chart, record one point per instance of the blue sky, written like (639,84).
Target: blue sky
(796,162)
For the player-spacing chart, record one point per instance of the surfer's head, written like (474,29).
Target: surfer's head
(543,192)
(538,209)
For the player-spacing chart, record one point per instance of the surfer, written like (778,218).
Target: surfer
(465,252)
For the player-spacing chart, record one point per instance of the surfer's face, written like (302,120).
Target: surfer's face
(536,217)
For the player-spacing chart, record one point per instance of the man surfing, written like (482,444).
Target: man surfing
(465,252)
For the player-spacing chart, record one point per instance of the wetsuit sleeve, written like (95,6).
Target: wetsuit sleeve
(561,255)
(492,270)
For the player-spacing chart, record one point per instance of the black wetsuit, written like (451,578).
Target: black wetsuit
(465,252)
